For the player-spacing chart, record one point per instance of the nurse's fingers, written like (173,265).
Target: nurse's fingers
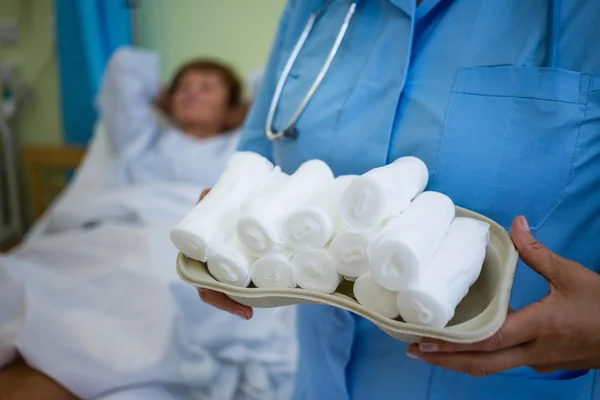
(203,194)
(477,363)
(520,327)
(222,302)
(533,253)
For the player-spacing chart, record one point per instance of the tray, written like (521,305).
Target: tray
(479,315)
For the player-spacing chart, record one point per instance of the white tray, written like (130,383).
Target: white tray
(479,315)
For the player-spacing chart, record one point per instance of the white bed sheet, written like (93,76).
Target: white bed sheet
(92,299)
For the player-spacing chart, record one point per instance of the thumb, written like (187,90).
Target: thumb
(532,252)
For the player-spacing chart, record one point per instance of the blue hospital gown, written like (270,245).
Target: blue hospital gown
(470,87)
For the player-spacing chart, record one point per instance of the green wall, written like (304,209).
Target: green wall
(239,32)
(38,120)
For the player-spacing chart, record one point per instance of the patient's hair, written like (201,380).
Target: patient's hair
(227,74)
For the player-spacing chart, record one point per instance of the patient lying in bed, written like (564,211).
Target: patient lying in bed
(91,299)
(202,105)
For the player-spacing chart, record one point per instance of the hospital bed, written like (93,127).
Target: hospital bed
(48,168)
(10,211)
(96,273)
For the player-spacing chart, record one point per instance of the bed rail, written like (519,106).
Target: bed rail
(48,166)
(11,222)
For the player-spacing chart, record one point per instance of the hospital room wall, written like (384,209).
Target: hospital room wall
(38,120)
(238,32)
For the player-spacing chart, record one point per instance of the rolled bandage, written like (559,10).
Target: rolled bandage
(242,173)
(314,270)
(375,297)
(349,253)
(313,225)
(273,271)
(269,184)
(447,279)
(383,192)
(259,229)
(230,263)
(409,241)
(227,260)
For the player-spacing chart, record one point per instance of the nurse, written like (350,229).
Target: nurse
(501,100)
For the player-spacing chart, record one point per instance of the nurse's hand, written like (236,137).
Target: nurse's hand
(560,332)
(220,300)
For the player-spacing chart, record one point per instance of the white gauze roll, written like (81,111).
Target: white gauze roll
(447,279)
(383,192)
(227,259)
(242,173)
(314,270)
(269,184)
(259,227)
(273,271)
(375,297)
(409,241)
(313,225)
(348,250)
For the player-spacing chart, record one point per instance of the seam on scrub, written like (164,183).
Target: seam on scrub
(588,89)
(407,64)
(580,83)
(518,97)
(429,381)
(573,158)
(594,381)
(443,134)
(351,92)
(440,148)
(595,85)
(467,78)
(503,154)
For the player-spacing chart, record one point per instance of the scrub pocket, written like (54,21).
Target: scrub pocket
(501,386)
(510,140)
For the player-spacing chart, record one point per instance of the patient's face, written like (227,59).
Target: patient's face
(200,100)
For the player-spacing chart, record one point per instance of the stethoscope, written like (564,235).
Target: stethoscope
(290,130)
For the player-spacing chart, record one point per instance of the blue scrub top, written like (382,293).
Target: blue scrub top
(506,125)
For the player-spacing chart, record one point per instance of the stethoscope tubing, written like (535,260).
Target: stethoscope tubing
(289,128)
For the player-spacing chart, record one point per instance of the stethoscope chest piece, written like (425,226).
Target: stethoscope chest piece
(291,132)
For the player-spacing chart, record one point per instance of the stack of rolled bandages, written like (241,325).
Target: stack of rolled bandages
(402,246)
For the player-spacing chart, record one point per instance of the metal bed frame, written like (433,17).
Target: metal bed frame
(11,223)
